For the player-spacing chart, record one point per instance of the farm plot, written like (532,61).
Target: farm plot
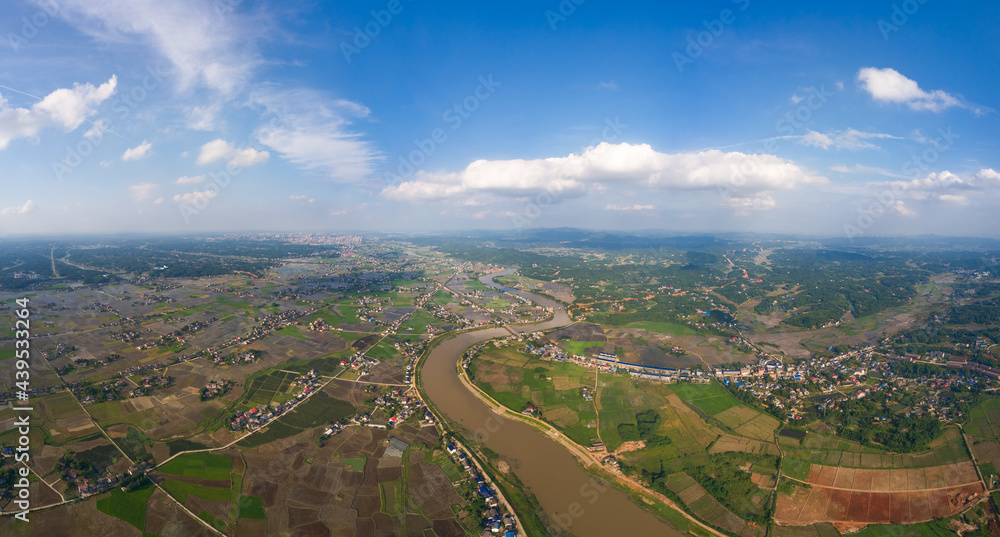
(319,409)
(200,465)
(876,496)
(983,431)
(704,506)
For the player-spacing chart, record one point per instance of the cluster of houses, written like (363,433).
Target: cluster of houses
(237,358)
(128,335)
(216,388)
(495,519)
(268,323)
(319,325)
(400,405)
(87,362)
(260,416)
(89,486)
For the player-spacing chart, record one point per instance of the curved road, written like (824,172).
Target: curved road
(568,495)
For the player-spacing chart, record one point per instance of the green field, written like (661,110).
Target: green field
(182,489)
(392,498)
(212,521)
(356,464)
(251,507)
(418,320)
(261,389)
(128,506)
(201,465)
(580,347)
(516,380)
(497,303)
(664,328)
(318,410)
(292,330)
(711,398)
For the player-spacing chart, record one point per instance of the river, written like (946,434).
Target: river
(568,495)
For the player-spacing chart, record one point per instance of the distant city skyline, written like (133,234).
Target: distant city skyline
(855,119)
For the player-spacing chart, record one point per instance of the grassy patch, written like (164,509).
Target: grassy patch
(182,489)
(664,328)
(212,521)
(355,464)
(251,507)
(291,330)
(580,347)
(201,465)
(128,506)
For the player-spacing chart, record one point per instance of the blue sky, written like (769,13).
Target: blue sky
(849,118)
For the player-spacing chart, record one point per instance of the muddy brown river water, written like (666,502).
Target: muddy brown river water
(570,497)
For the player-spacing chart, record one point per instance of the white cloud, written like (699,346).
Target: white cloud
(314,132)
(868,170)
(203,118)
(195,198)
(139,152)
(144,191)
(945,187)
(852,139)
(190,180)
(635,207)
(888,85)
(989,176)
(816,139)
(63,108)
(220,149)
(23,209)
(302,198)
(609,85)
(97,130)
(743,206)
(205,46)
(900,208)
(636,165)
(957,199)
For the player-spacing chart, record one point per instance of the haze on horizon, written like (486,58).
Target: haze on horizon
(855,118)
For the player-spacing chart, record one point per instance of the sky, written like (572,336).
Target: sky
(838,119)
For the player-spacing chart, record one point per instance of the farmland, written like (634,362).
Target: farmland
(720,458)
